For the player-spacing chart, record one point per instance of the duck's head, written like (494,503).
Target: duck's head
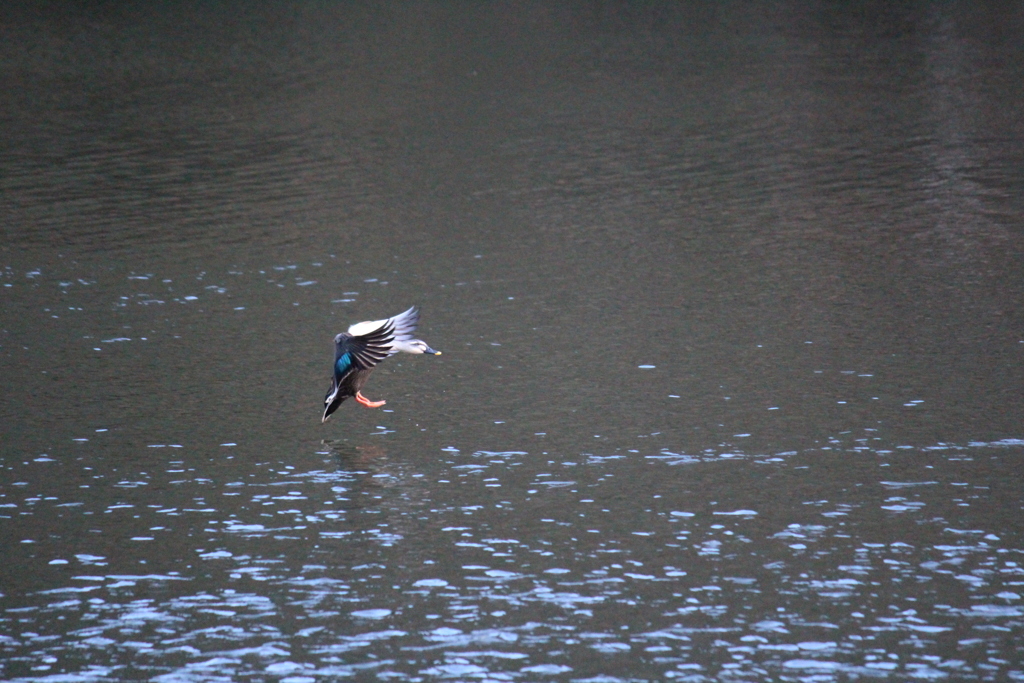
(416,346)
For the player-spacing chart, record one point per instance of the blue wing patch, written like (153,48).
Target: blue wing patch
(343,365)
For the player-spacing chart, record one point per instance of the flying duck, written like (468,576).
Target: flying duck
(358,351)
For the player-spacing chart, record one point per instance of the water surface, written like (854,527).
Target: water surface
(729,307)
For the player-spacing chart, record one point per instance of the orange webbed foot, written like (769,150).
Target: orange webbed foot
(367,402)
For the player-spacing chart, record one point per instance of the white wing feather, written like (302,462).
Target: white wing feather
(404,326)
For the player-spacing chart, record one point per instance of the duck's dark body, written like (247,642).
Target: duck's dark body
(350,384)
(354,360)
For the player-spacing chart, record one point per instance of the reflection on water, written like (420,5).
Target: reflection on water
(514,564)
(729,302)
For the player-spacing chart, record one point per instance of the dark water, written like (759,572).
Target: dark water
(729,300)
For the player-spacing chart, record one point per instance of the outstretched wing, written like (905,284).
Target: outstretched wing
(352,355)
(402,325)
(364,351)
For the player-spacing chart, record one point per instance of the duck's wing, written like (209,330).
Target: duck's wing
(362,351)
(403,326)
(355,355)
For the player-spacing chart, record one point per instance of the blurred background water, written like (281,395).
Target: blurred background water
(729,300)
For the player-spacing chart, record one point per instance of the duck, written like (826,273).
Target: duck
(359,350)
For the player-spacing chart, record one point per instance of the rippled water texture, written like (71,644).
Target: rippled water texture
(729,304)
